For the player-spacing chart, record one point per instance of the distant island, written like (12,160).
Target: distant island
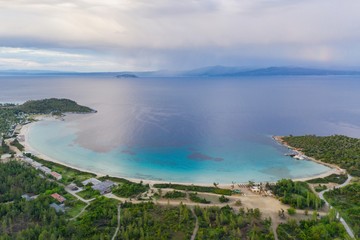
(126,75)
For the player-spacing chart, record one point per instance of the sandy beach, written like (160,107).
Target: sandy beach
(28,148)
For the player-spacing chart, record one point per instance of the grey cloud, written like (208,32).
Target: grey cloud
(159,33)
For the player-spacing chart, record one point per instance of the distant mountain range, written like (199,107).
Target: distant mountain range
(220,71)
(212,71)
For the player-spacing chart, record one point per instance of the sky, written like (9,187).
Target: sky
(142,35)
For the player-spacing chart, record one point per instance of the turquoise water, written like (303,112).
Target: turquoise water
(190,129)
(240,162)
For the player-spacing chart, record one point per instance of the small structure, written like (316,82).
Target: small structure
(28,160)
(5,156)
(36,165)
(56,175)
(72,187)
(93,181)
(255,189)
(29,196)
(58,208)
(269,193)
(299,157)
(45,170)
(58,197)
(104,187)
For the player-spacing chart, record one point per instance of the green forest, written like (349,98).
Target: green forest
(347,201)
(337,149)
(224,223)
(326,228)
(52,105)
(296,194)
(35,219)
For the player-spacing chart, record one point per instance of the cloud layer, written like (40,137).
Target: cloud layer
(119,35)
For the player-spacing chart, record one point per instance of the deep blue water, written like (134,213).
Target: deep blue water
(190,130)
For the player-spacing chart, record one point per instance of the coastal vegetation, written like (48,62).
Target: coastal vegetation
(195,198)
(194,188)
(7,119)
(114,179)
(326,228)
(223,199)
(130,189)
(175,194)
(296,194)
(18,145)
(69,174)
(35,219)
(347,201)
(320,188)
(333,178)
(17,179)
(4,148)
(52,106)
(337,149)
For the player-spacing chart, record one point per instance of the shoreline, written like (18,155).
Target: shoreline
(28,148)
(333,167)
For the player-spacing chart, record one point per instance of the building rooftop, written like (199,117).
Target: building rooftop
(45,169)
(58,197)
(103,187)
(94,181)
(56,175)
(58,208)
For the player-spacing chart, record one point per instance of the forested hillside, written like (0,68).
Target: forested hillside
(52,105)
(340,150)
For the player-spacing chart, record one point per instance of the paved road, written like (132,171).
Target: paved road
(321,195)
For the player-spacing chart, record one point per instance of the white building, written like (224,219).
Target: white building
(45,170)
(94,181)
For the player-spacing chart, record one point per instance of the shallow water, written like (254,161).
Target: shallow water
(190,130)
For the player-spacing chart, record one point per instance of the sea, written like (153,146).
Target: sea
(198,130)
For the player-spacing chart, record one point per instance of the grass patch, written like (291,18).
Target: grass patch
(175,194)
(114,179)
(75,207)
(320,188)
(195,198)
(88,193)
(194,188)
